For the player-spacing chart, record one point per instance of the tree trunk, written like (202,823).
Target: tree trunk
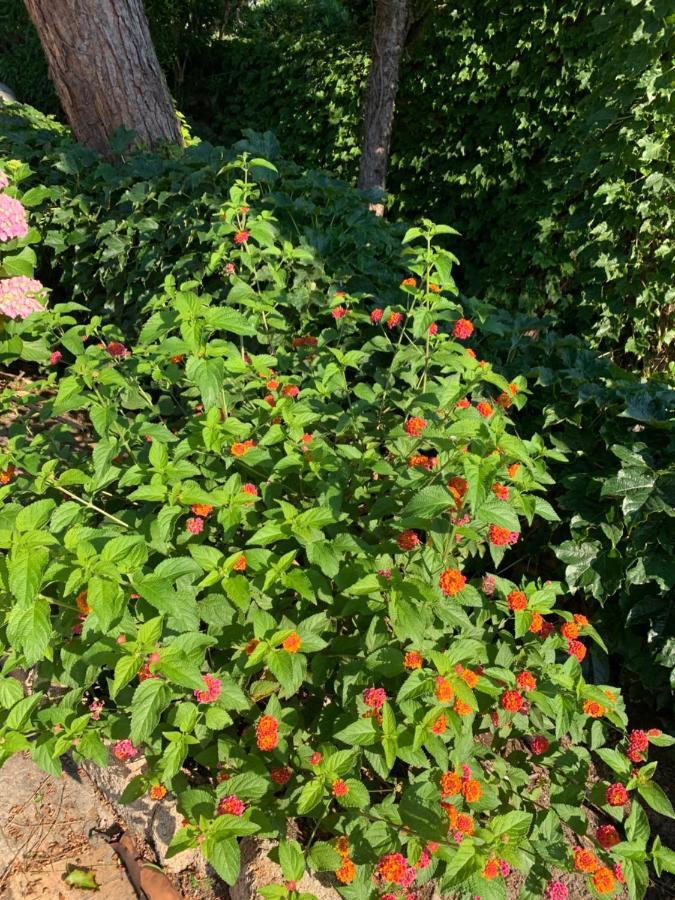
(105,70)
(390,29)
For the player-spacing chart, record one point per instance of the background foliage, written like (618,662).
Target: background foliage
(551,118)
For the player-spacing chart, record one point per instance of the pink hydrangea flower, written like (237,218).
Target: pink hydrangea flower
(125,750)
(19,296)
(13,222)
(212,689)
(4,180)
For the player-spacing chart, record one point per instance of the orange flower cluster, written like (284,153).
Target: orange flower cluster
(413,660)
(459,822)
(339,788)
(569,630)
(157,792)
(526,681)
(451,582)
(536,623)
(458,487)
(240,564)
(444,691)
(201,509)
(585,861)
(440,726)
(468,676)
(347,871)
(266,733)
(451,784)
(593,709)
(511,701)
(292,643)
(414,426)
(516,600)
(81,603)
(500,491)
(604,881)
(240,448)
(420,461)
(462,708)
(472,790)
(7,474)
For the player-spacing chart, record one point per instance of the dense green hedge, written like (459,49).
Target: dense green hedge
(541,132)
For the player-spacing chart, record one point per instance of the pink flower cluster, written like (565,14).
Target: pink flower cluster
(556,890)
(13,222)
(18,295)
(211,690)
(124,750)
(375,697)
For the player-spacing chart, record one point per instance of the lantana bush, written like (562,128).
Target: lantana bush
(269,545)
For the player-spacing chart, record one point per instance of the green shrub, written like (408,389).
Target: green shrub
(254,545)
(615,492)
(113,233)
(541,131)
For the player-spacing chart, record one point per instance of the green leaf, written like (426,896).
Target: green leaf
(224,857)
(616,761)
(428,502)
(150,698)
(637,825)
(291,860)
(515,823)
(361,733)
(656,798)
(323,857)
(125,669)
(26,569)
(29,629)
(83,879)
(310,796)
(357,797)
(34,516)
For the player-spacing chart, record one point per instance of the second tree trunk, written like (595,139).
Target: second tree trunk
(390,29)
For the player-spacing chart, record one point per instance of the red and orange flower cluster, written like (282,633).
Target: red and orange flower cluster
(267,733)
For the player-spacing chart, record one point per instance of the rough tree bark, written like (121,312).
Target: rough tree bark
(390,29)
(105,70)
